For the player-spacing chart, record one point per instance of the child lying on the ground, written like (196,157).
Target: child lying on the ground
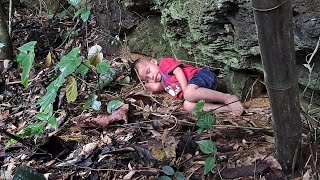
(185,82)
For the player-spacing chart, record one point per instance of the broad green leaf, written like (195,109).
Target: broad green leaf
(50,16)
(179,176)
(28,47)
(200,131)
(168,170)
(83,69)
(10,143)
(106,79)
(71,89)
(26,62)
(114,105)
(96,105)
(207,146)
(209,164)
(164,178)
(46,114)
(26,59)
(78,13)
(63,14)
(85,15)
(74,2)
(53,122)
(27,173)
(36,128)
(206,120)
(103,67)
(70,62)
(67,65)
(48,98)
(89,102)
(42,116)
(32,129)
(198,107)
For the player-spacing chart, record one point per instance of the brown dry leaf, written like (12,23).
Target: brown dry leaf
(121,114)
(130,174)
(48,61)
(79,154)
(306,175)
(2,152)
(146,112)
(106,139)
(273,163)
(4,116)
(270,139)
(94,54)
(170,147)
(158,153)
(169,144)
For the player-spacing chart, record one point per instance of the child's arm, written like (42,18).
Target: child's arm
(154,87)
(178,72)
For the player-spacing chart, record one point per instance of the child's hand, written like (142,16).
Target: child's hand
(236,107)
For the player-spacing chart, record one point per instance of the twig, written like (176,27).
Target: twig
(20,140)
(10,19)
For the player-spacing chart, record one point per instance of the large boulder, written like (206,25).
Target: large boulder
(219,33)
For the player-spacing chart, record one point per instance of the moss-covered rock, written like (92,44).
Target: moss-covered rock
(217,33)
(147,39)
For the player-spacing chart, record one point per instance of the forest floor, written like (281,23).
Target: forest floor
(154,132)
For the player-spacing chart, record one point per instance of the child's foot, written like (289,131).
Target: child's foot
(235,106)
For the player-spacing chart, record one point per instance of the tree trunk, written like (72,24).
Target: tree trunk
(5,40)
(274,25)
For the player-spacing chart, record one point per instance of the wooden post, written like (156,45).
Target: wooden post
(273,20)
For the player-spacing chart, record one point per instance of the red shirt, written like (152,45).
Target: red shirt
(169,80)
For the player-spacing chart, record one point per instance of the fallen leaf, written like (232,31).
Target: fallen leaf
(130,174)
(94,54)
(158,153)
(2,151)
(273,162)
(169,144)
(143,156)
(306,175)
(146,112)
(118,115)
(170,147)
(4,116)
(106,139)
(79,154)
(48,61)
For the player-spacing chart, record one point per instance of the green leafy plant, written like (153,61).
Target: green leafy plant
(25,59)
(206,121)
(169,173)
(82,12)
(68,65)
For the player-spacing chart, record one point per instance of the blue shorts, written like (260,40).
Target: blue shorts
(204,78)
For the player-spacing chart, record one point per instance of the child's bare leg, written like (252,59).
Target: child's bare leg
(193,93)
(189,106)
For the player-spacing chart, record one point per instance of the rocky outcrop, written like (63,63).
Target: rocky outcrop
(219,33)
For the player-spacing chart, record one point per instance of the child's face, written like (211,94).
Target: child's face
(149,71)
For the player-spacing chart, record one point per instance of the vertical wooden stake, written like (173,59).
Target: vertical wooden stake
(273,20)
